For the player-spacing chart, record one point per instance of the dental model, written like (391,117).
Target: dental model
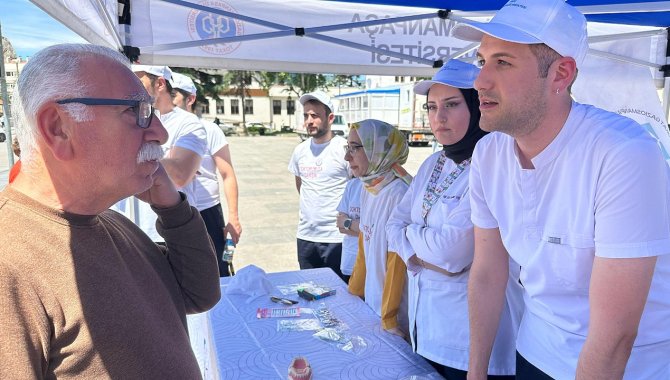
(299,369)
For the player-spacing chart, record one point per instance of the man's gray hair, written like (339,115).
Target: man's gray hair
(53,73)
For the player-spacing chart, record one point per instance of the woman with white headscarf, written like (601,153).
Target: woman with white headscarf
(375,151)
(431,230)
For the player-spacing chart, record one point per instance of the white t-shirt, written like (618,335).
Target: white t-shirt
(350,205)
(599,189)
(184,131)
(324,174)
(446,240)
(375,212)
(207,183)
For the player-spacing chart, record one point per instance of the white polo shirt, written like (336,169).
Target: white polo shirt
(600,188)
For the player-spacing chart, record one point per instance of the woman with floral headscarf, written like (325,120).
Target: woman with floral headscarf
(431,230)
(375,151)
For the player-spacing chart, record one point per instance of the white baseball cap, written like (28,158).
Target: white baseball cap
(159,71)
(320,97)
(552,22)
(183,82)
(455,74)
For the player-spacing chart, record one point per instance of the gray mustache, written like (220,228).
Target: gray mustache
(149,152)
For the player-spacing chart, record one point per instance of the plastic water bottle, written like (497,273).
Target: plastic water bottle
(229,251)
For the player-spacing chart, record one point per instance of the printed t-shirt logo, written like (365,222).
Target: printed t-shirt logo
(205,25)
(367,231)
(310,172)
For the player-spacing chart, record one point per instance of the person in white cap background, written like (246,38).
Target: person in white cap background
(216,157)
(321,175)
(186,144)
(577,196)
(431,230)
(187,139)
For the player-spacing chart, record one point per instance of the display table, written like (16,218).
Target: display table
(232,343)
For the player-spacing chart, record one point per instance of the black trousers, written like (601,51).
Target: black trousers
(457,374)
(526,371)
(320,255)
(215,223)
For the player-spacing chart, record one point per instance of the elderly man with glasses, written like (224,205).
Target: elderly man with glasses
(85,293)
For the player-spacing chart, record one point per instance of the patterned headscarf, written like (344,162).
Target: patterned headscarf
(386,149)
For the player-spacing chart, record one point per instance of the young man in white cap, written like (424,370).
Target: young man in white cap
(217,156)
(321,175)
(577,196)
(184,148)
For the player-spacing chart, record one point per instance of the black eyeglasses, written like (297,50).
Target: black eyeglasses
(143,110)
(352,148)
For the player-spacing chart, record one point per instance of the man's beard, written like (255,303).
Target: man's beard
(149,152)
(520,118)
(320,132)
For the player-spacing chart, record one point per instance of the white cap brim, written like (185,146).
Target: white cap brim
(307,98)
(139,68)
(422,87)
(322,98)
(474,31)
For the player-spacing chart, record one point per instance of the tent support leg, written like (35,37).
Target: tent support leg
(666,80)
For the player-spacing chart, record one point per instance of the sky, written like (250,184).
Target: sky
(29,29)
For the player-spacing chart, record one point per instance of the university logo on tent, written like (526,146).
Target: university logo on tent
(206,25)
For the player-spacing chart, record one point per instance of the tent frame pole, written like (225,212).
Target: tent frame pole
(285,31)
(5,104)
(666,78)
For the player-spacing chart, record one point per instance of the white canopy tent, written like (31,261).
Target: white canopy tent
(303,35)
(626,63)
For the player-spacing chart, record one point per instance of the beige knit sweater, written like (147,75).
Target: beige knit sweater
(92,297)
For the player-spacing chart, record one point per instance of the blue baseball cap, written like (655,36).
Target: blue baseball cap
(455,74)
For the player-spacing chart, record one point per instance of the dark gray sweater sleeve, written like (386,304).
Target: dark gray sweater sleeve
(191,255)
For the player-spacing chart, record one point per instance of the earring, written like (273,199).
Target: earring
(557,91)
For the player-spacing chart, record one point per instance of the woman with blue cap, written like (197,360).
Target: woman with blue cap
(431,231)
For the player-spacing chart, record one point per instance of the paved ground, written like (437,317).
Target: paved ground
(268,198)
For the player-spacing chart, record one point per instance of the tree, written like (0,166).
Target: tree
(301,83)
(297,83)
(207,84)
(346,80)
(239,80)
(212,83)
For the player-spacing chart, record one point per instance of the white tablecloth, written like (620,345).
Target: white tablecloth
(231,343)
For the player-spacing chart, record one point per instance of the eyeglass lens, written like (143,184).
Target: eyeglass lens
(351,149)
(144,114)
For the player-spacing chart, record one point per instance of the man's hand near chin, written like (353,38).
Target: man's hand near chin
(163,193)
